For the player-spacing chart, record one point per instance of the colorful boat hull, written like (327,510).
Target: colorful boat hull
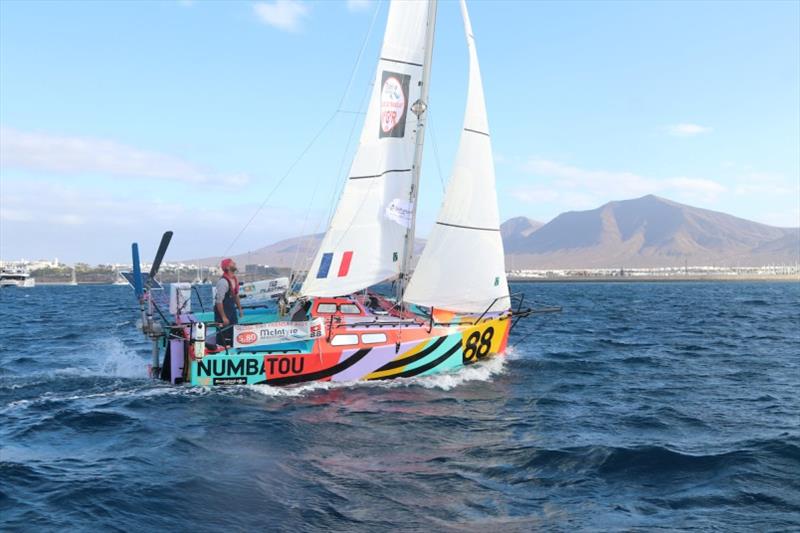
(372,353)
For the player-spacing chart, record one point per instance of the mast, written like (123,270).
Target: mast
(447,275)
(365,243)
(418,108)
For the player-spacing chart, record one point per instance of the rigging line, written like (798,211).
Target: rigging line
(308,239)
(303,230)
(324,127)
(360,55)
(363,202)
(435,149)
(524,337)
(338,189)
(280,181)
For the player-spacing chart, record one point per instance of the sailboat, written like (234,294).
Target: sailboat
(453,310)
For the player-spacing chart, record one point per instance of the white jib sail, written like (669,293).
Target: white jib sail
(364,243)
(462,267)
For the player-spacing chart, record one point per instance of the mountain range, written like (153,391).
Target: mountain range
(644,232)
(648,232)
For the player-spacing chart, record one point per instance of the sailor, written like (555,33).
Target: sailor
(226,303)
(299,310)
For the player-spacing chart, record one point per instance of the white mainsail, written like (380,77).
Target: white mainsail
(462,267)
(365,240)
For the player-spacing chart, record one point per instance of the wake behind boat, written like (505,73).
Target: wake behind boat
(453,311)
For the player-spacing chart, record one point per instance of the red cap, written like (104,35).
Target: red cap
(226,263)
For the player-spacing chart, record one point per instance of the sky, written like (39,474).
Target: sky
(120,120)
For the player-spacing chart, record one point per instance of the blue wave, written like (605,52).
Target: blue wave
(641,407)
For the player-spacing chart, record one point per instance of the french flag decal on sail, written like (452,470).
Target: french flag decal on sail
(344,267)
(324,265)
(327,260)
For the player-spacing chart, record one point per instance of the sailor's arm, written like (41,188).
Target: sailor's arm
(221,311)
(219,298)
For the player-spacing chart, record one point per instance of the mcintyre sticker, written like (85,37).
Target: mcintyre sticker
(394,102)
(277,332)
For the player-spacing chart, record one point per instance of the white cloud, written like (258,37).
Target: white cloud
(499,158)
(76,224)
(533,195)
(560,200)
(686,130)
(359,5)
(694,186)
(578,188)
(16,215)
(70,219)
(789,218)
(282,14)
(765,183)
(84,155)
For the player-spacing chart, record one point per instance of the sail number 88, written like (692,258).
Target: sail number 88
(478,345)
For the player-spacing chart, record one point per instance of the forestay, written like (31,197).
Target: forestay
(364,243)
(462,267)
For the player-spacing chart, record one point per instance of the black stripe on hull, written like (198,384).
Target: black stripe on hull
(321,374)
(427,366)
(391,365)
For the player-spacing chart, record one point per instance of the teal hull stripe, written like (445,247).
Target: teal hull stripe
(431,364)
(391,365)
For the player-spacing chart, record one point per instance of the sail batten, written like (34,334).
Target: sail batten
(462,267)
(380,175)
(466,227)
(365,241)
(402,62)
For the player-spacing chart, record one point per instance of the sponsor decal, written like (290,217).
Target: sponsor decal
(246,337)
(297,368)
(399,211)
(264,290)
(394,102)
(230,381)
(277,332)
(289,365)
(228,370)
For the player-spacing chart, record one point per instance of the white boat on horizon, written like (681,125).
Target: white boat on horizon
(16,277)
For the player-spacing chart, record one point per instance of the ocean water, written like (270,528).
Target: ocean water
(641,407)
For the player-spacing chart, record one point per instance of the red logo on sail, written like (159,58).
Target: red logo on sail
(393,104)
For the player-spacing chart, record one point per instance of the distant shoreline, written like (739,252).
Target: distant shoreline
(575,279)
(68,284)
(667,279)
